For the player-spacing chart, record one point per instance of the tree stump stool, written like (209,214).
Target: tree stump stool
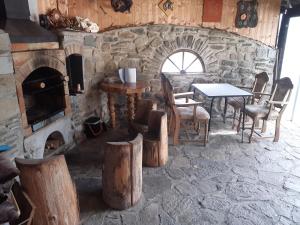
(48,184)
(122,173)
(155,144)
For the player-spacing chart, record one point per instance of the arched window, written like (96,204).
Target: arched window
(183,62)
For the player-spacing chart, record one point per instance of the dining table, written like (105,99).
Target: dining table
(222,90)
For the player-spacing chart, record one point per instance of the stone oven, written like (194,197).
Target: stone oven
(41,79)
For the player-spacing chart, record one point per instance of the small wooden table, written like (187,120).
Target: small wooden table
(133,93)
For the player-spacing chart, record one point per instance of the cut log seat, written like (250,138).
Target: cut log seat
(122,173)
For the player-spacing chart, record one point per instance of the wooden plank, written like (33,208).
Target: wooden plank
(20,47)
(186,12)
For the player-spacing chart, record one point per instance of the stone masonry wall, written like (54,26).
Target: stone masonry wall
(10,125)
(227,58)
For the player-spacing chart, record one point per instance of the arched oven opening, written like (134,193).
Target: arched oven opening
(43,92)
(53,144)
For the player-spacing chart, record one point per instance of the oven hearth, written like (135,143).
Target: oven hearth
(43,94)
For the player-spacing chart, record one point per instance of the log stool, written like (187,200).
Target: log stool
(140,121)
(48,184)
(155,145)
(122,173)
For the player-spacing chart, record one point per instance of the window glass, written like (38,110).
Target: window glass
(182,62)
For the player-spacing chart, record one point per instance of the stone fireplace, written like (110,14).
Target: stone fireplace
(42,87)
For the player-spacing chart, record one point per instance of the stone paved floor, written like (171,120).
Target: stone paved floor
(226,182)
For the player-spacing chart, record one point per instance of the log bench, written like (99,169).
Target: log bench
(122,173)
(48,184)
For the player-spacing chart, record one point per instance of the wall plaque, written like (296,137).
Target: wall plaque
(212,10)
(246,15)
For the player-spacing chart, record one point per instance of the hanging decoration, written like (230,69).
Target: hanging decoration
(121,5)
(246,14)
(55,20)
(166,6)
(212,11)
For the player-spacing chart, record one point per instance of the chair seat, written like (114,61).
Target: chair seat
(235,102)
(183,100)
(260,111)
(138,127)
(187,113)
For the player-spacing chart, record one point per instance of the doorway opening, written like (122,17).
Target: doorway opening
(291,68)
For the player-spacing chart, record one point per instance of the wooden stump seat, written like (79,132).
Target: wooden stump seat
(122,173)
(140,122)
(155,145)
(48,184)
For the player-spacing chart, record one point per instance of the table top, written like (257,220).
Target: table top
(126,88)
(221,90)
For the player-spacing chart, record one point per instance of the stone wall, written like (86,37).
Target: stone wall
(227,57)
(10,126)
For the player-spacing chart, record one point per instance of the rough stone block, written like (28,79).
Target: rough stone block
(126,35)
(90,41)
(6,63)
(8,107)
(5,44)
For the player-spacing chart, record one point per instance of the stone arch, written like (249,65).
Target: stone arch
(24,70)
(39,61)
(35,144)
(73,48)
(192,43)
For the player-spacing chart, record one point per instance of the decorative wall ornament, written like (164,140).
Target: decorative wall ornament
(246,15)
(121,5)
(55,20)
(166,6)
(212,11)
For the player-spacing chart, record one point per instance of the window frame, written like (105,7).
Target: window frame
(186,73)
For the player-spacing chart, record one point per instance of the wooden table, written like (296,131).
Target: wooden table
(133,93)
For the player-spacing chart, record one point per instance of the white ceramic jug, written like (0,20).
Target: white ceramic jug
(130,75)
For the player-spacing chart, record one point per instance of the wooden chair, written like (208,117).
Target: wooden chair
(140,122)
(180,111)
(273,108)
(155,144)
(237,103)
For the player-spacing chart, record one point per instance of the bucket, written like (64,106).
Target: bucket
(93,126)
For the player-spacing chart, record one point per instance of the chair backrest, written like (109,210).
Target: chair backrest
(282,91)
(144,107)
(260,84)
(155,122)
(163,86)
(169,96)
(168,91)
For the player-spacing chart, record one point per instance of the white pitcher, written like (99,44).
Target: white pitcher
(130,75)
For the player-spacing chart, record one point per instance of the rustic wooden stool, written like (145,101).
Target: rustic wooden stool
(155,145)
(122,173)
(49,185)
(140,122)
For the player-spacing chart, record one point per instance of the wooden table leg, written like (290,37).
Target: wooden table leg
(138,97)
(130,107)
(111,106)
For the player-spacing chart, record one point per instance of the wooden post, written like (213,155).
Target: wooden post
(122,173)
(111,106)
(155,147)
(130,107)
(48,184)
